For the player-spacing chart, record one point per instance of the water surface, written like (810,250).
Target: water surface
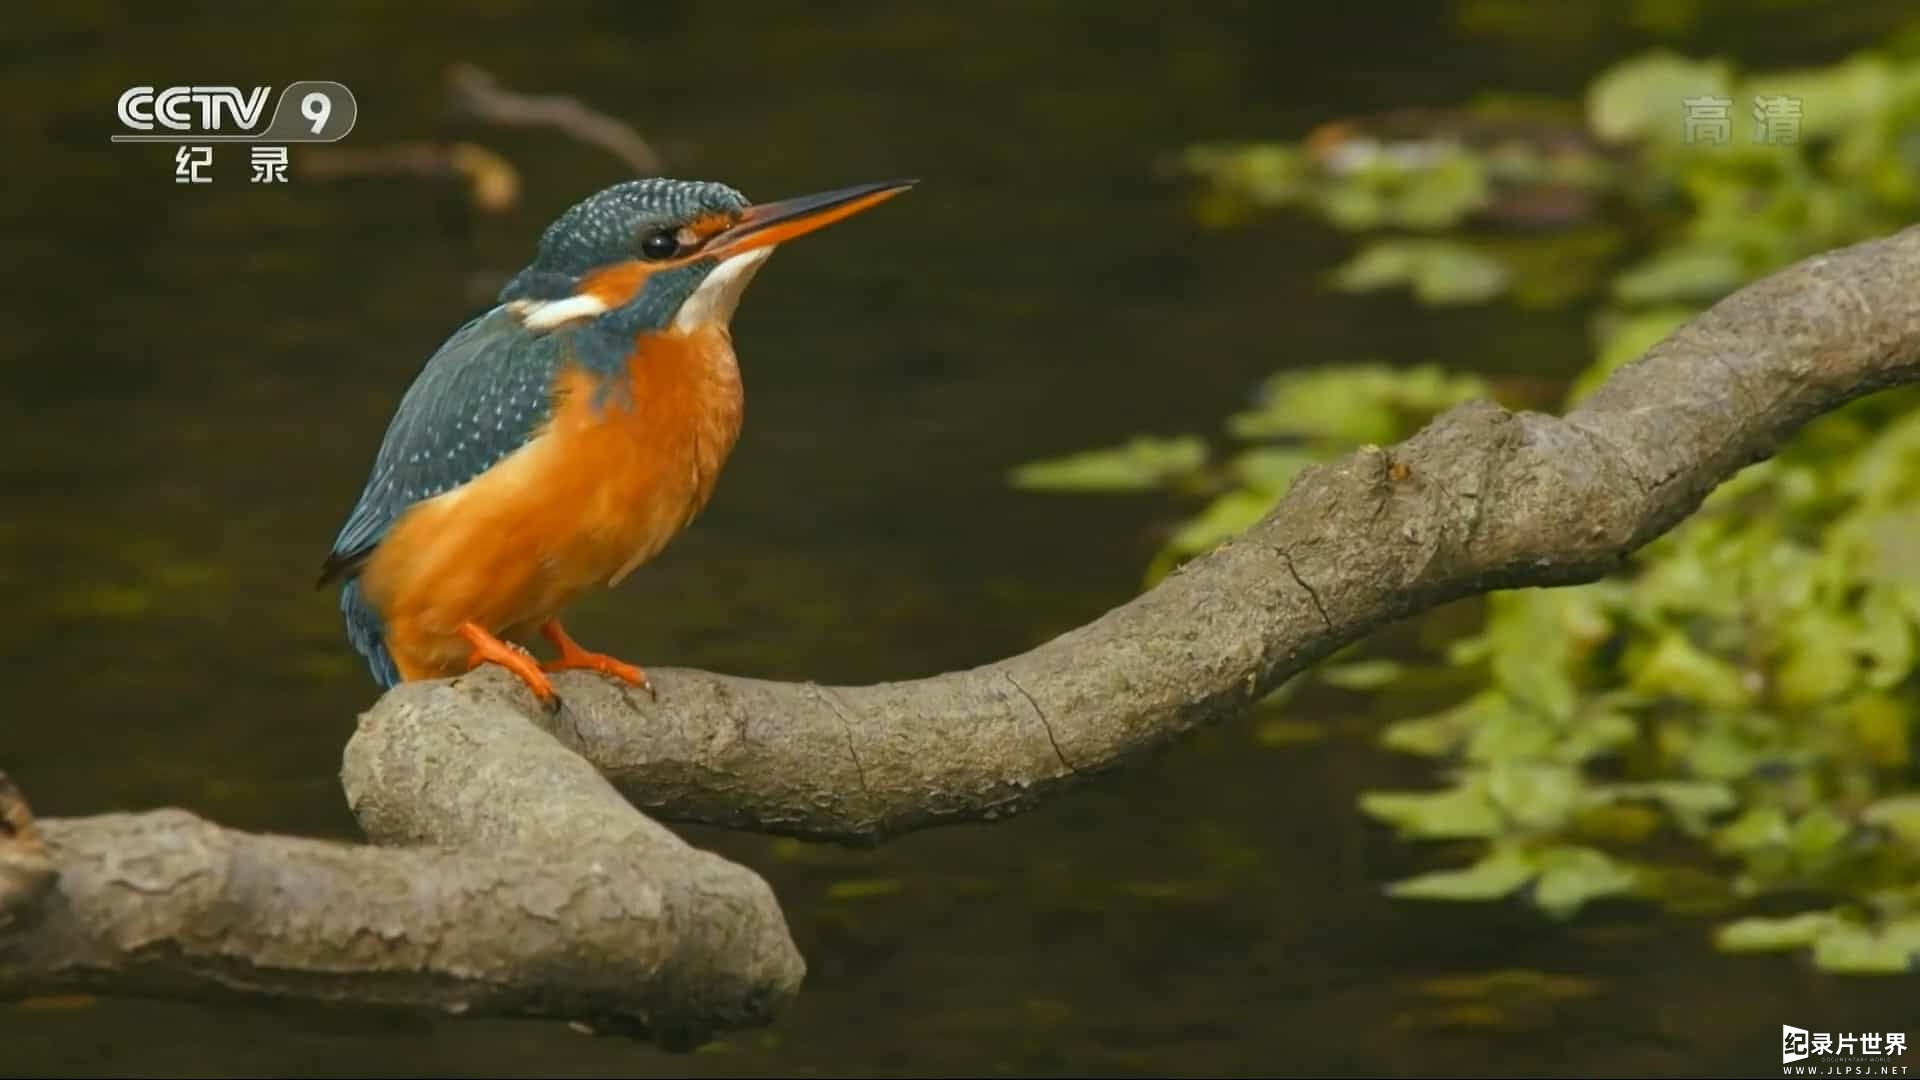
(195,379)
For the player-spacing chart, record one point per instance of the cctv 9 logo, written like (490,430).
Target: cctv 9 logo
(308,111)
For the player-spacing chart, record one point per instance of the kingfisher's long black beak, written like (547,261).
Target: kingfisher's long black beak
(772,223)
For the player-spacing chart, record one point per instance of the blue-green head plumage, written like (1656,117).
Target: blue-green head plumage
(610,225)
(637,220)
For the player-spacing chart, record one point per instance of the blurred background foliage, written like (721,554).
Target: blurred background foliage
(1725,724)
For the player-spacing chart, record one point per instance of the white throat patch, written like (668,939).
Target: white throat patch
(717,297)
(553,314)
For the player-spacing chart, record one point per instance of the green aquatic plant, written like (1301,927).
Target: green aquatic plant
(1298,418)
(1729,717)
(1746,687)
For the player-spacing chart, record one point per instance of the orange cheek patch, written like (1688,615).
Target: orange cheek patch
(706,226)
(615,285)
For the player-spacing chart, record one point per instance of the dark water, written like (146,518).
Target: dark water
(194,380)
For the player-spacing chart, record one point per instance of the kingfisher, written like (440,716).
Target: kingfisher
(559,440)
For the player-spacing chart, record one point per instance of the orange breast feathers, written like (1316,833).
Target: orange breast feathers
(611,480)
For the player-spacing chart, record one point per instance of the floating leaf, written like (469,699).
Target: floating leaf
(1693,803)
(1349,406)
(1140,465)
(1600,727)
(1855,950)
(1572,877)
(1271,469)
(1817,833)
(1350,206)
(1759,827)
(1465,811)
(1266,173)
(1440,272)
(1512,732)
(1534,794)
(1442,193)
(1675,668)
(1766,934)
(1839,944)
(1378,266)
(1429,736)
(1681,274)
(1496,875)
(1645,97)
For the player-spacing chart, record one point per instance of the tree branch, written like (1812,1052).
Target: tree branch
(1480,499)
(520,884)
(515,879)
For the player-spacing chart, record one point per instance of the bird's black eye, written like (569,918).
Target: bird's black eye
(661,244)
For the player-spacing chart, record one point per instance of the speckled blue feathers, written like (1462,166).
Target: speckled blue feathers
(480,398)
(604,228)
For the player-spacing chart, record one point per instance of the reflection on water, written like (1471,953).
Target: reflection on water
(196,379)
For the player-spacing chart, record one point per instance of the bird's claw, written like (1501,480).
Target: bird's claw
(488,649)
(572,657)
(608,666)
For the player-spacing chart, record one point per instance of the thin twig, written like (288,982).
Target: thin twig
(479,93)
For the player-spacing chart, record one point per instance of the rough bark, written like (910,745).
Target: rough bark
(512,877)
(517,882)
(1481,499)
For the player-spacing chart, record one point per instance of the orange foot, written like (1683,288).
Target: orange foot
(488,649)
(573,656)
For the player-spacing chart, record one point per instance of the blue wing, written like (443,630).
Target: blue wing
(479,398)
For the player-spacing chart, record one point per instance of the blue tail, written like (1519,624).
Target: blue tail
(366,631)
